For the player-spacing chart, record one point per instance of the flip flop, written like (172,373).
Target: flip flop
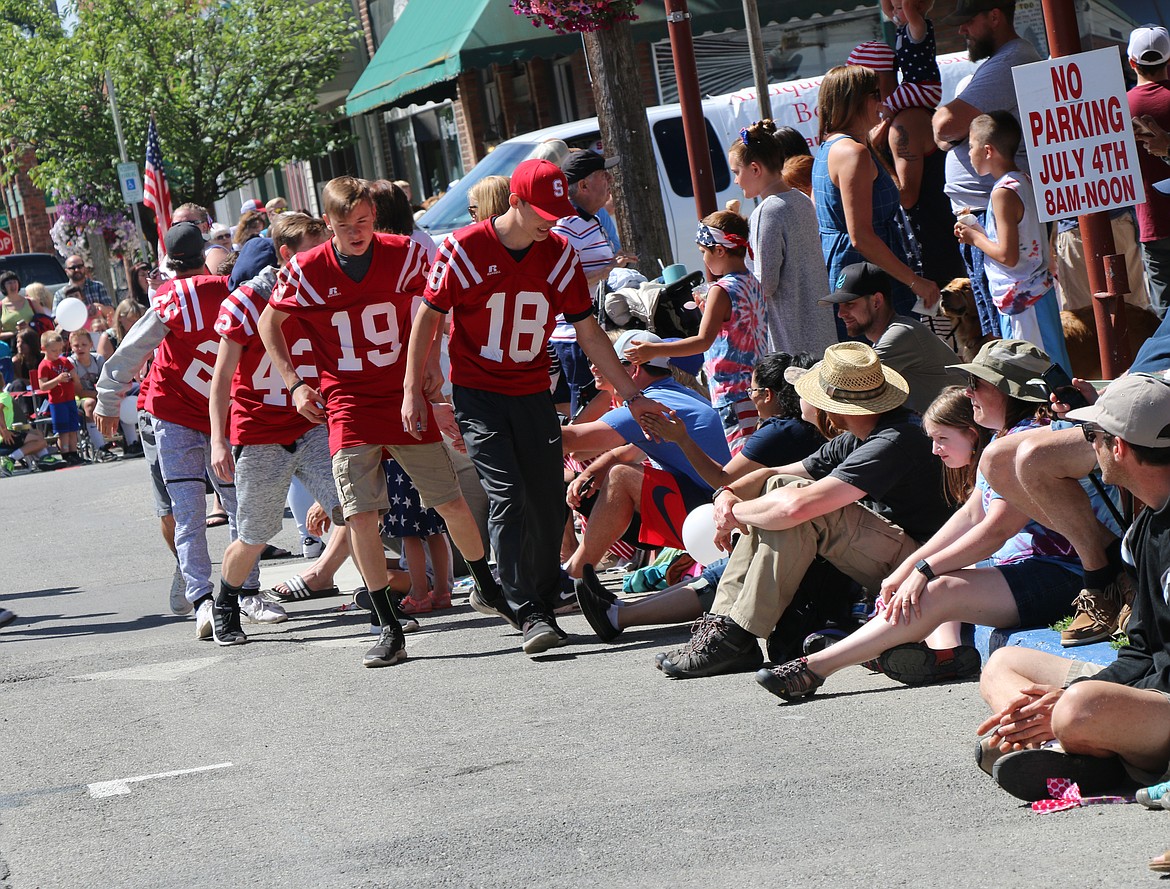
(1161,864)
(217,519)
(298,591)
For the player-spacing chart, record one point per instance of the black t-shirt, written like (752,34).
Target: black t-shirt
(894,465)
(778,442)
(355,267)
(1145,663)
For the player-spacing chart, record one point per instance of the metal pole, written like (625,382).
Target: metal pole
(682,48)
(122,147)
(1064,38)
(751,18)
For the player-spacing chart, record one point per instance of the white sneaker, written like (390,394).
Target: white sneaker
(256,610)
(203,624)
(179,603)
(311,548)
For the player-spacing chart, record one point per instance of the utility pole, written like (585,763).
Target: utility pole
(751,18)
(122,147)
(682,48)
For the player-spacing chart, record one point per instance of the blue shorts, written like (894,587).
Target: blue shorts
(1044,591)
(65,416)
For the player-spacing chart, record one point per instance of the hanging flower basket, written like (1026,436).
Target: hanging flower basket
(79,219)
(576,16)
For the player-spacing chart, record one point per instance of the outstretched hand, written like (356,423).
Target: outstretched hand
(667,427)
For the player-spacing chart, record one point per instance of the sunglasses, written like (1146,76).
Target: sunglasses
(1092,432)
(74,268)
(972,383)
(752,390)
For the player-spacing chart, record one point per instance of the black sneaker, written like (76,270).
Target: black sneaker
(594,607)
(132,450)
(915,663)
(389,650)
(492,607)
(225,622)
(1025,773)
(539,634)
(718,645)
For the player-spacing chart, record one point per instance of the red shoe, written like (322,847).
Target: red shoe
(412,605)
(440,601)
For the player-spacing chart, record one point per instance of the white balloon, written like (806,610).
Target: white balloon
(128,412)
(698,534)
(71,314)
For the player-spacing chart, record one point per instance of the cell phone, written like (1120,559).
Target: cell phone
(1060,384)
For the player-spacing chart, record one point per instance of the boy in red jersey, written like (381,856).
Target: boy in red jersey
(505,280)
(354,296)
(180,330)
(272,440)
(57,376)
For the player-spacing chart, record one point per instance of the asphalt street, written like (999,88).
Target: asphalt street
(469,765)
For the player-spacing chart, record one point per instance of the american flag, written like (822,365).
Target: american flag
(156,193)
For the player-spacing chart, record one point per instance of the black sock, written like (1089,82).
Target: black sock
(481,573)
(1099,578)
(201,600)
(383,607)
(227,596)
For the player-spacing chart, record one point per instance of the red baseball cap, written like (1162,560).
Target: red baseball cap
(542,184)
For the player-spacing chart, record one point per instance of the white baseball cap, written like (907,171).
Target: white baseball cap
(1149,45)
(1135,408)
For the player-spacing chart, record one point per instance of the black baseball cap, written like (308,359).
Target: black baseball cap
(581,163)
(858,280)
(184,241)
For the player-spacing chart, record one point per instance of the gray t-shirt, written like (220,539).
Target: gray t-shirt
(991,89)
(916,352)
(786,246)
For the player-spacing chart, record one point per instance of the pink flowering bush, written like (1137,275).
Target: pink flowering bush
(574,16)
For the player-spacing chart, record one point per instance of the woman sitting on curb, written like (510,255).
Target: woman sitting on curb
(1033,576)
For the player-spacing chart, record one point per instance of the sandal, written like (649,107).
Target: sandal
(1161,864)
(296,589)
(217,519)
(791,681)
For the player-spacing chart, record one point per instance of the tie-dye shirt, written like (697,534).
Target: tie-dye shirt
(741,342)
(1015,288)
(1033,541)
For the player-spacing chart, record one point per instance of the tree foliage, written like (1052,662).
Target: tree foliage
(233,86)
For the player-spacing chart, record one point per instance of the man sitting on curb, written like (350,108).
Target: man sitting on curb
(1100,719)
(790,515)
(903,344)
(661,494)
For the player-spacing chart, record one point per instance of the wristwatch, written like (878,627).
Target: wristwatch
(923,568)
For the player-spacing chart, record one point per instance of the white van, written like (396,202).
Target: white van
(794,104)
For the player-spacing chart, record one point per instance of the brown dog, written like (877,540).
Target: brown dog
(958,304)
(1080,336)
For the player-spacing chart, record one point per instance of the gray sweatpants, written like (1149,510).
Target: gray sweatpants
(184,456)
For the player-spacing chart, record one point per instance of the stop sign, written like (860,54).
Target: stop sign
(6,243)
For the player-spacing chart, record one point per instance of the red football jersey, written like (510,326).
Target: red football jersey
(179,383)
(262,411)
(359,332)
(504,310)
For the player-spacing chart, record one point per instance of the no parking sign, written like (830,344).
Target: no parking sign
(1077,131)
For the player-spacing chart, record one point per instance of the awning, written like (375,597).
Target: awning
(433,41)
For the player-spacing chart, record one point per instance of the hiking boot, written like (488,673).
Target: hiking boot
(594,607)
(791,681)
(225,621)
(179,603)
(1097,614)
(1025,773)
(257,611)
(389,649)
(492,607)
(718,645)
(539,634)
(915,663)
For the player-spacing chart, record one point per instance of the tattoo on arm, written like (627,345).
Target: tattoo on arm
(902,144)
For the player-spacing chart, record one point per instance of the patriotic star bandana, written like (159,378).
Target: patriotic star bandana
(714,237)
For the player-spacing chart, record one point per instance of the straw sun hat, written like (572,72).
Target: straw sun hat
(851,380)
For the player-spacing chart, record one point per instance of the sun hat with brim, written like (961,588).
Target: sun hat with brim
(1135,408)
(1010,366)
(851,380)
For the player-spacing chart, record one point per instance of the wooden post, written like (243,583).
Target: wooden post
(625,131)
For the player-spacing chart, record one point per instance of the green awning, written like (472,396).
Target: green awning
(433,41)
